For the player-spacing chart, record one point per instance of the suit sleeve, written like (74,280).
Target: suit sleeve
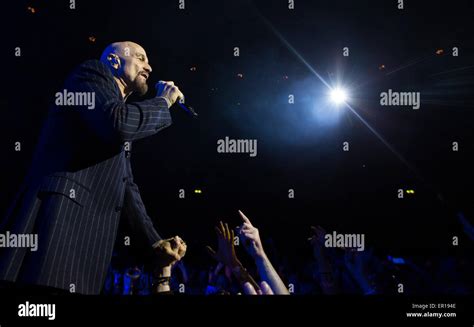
(111,118)
(137,216)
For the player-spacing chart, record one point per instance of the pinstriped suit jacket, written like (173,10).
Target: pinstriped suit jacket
(80,184)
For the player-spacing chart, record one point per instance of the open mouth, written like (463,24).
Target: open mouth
(144,75)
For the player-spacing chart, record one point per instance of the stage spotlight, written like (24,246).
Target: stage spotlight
(338,95)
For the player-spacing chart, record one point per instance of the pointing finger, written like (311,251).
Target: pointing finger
(244,218)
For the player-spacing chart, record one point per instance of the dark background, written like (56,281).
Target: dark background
(300,145)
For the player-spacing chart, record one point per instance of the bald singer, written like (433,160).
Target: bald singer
(80,184)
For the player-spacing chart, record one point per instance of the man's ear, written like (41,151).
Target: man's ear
(114,60)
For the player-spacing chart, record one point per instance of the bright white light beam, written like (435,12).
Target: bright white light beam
(338,95)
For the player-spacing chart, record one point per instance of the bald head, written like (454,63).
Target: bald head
(129,64)
(122,49)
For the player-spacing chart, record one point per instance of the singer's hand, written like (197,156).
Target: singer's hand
(169,91)
(170,251)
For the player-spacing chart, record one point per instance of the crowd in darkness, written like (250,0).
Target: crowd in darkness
(328,271)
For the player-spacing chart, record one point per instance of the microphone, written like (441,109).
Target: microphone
(189,110)
(180,100)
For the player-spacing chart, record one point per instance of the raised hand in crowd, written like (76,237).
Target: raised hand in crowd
(227,256)
(251,240)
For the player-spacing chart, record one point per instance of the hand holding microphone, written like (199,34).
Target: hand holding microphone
(171,93)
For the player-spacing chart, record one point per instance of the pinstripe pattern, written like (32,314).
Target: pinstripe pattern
(81,150)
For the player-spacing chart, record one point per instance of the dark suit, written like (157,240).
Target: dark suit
(80,184)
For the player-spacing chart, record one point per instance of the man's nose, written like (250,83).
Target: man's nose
(148,68)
